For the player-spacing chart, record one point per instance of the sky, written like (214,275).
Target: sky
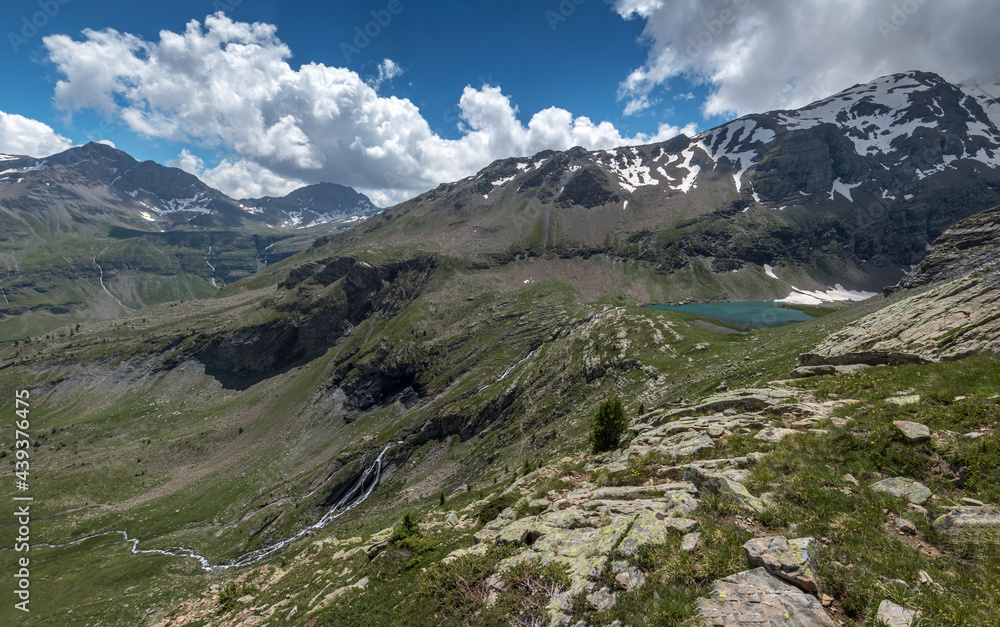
(393,97)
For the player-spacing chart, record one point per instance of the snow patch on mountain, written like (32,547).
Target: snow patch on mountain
(984,95)
(873,113)
(196,204)
(688,182)
(837,293)
(991,158)
(763,136)
(839,187)
(730,142)
(632,174)
(38,167)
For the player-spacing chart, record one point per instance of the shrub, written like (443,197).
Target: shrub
(231,593)
(610,424)
(406,528)
(494,506)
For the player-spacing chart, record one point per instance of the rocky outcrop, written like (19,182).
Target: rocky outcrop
(950,321)
(718,483)
(958,316)
(969,246)
(333,296)
(755,597)
(795,561)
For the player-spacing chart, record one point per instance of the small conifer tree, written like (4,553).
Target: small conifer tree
(610,425)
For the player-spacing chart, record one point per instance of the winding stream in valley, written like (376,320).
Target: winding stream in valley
(356,495)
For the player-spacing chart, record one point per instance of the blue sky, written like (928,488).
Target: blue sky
(442,47)
(297,98)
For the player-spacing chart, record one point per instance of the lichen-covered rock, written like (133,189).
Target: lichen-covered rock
(479,549)
(909,399)
(634,492)
(804,372)
(712,482)
(755,597)
(679,503)
(792,560)
(627,576)
(602,599)
(912,491)
(969,519)
(584,553)
(627,507)
(945,322)
(750,399)
(524,531)
(686,444)
(773,435)
(647,530)
(682,525)
(566,519)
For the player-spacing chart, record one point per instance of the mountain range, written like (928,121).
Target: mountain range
(91,232)
(851,189)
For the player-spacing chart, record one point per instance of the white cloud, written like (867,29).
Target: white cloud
(23,136)
(760,55)
(387,70)
(238,178)
(228,85)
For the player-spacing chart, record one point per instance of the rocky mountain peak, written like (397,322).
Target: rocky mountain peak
(312,205)
(94,152)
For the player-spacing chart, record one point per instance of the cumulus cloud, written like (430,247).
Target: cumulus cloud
(760,55)
(23,136)
(228,85)
(387,70)
(239,178)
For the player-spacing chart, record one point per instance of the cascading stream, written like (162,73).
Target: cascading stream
(356,495)
(210,265)
(101,278)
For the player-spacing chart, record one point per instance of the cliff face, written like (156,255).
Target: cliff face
(958,316)
(319,303)
(972,245)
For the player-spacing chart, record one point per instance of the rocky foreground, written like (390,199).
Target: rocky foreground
(600,536)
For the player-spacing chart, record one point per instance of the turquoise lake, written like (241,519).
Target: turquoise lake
(747,315)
